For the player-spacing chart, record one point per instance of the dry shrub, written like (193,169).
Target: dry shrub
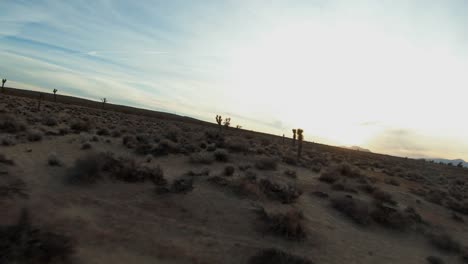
(288,225)
(355,209)
(79,125)
(34,136)
(266,163)
(127,170)
(434,260)
(281,192)
(86,170)
(384,197)
(237,145)
(444,242)
(9,188)
(229,170)
(9,124)
(53,160)
(182,185)
(334,173)
(202,158)
(5,160)
(389,217)
(25,243)
(221,155)
(276,256)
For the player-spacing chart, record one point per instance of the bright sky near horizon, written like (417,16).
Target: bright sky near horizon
(387,75)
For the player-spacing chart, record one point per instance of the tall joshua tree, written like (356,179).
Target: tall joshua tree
(39,102)
(219,120)
(3,84)
(55,95)
(294,137)
(104,101)
(300,138)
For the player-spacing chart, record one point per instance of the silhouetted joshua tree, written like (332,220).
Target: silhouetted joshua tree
(227,122)
(300,138)
(104,102)
(219,120)
(3,85)
(55,95)
(39,102)
(294,137)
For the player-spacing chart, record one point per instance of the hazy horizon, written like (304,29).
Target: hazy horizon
(388,76)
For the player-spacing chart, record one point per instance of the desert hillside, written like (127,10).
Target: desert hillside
(87,185)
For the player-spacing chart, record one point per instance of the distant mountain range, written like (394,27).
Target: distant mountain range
(454,162)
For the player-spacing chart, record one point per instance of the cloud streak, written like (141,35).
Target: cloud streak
(388,76)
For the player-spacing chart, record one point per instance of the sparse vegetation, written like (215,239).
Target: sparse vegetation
(276,256)
(202,158)
(356,209)
(221,155)
(53,160)
(266,163)
(25,243)
(444,242)
(288,225)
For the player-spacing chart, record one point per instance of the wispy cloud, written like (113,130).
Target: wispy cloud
(339,69)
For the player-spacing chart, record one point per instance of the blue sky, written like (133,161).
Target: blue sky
(386,75)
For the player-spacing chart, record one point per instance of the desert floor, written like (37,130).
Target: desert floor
(86,185)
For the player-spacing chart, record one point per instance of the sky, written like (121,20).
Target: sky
(388,75)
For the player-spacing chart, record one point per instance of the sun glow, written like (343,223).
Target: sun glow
(332,78)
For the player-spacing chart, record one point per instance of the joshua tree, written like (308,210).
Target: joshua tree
(104,101)
(294,137)
(3,84)
(300,138)
(238,127)
(227,122)
(219,120)
(55,95)
(39,102)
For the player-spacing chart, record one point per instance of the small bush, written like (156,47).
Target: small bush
(53,160)
(7,141)
(86,170)
(49,121)
(221,155)
(11,125)
(285,193)
(389,217)
(103,132)
(5,160)
(334,173)
(15,187)
(266,163)
(276,256)
(434,260)
(288,225)
(25,243)
(34,136)
(355,209)
(444,242)
(290,174)
(182,185)
(79,125)
(383,197)
(202,158)
(229,170)
(86,146)
(237,145)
